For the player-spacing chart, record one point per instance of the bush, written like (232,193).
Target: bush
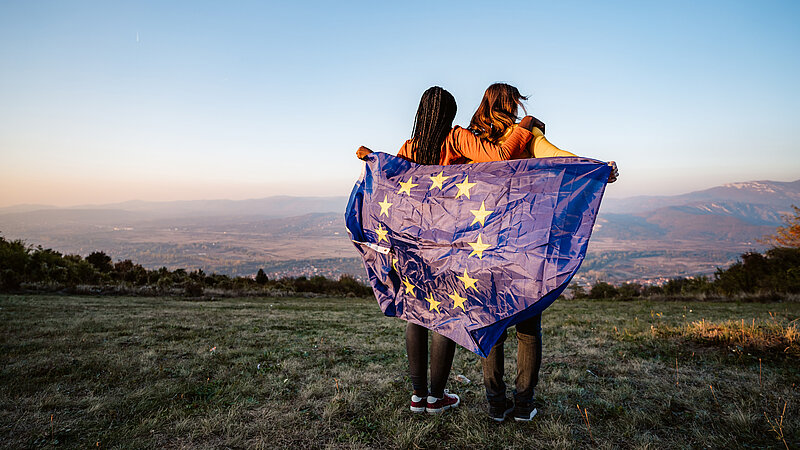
(40,268)
(9,280)
(577,291)
(775,271)
(630,290)
(601,289)
(193,289)
(100,261)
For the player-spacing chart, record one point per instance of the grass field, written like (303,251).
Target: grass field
(130,372)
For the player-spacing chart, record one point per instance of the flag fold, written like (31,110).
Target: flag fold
(468,250)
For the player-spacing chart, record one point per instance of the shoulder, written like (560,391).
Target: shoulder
(405,150)
(459,133)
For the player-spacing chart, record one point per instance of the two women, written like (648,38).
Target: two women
(435,141)
(493,136)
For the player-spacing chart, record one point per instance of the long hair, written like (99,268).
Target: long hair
(434,119)
(497,111)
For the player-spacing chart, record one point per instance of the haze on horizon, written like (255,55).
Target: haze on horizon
(106,102)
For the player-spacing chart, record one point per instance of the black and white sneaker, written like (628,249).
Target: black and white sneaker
(524,411)
(499,410)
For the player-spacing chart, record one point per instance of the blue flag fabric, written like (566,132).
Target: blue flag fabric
(468,250)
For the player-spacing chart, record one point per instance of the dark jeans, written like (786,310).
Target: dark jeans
(442,351)
(529,359)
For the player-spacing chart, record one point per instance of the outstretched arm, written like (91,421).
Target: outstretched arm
(540,147)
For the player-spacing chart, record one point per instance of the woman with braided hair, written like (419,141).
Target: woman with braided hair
(435,141)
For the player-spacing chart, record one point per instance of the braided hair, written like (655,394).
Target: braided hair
(434,119)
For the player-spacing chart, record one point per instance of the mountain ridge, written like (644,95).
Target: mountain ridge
(642,239)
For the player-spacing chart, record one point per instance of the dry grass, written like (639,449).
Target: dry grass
(770,336)
(331,373)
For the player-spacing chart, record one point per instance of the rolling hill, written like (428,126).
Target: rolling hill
(644,239)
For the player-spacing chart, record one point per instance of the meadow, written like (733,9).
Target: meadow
(150,372)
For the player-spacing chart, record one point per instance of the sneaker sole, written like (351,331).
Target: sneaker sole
(527,419)
(418,409)
(505,414)
(441,410)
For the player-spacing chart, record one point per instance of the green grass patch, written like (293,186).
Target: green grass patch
(137,372)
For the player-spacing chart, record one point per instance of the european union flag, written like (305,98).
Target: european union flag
(469,250)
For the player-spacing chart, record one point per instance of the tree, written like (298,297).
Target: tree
(100,261)
(14,259)
(651,290)
(601,289)
(261,277)
(630,290)
(577,291)
(787,235)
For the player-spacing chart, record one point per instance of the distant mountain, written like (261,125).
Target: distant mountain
(641,239)
(650,237)
(776,194)
(277,206)
(274,207)
(736,212)
(24,208)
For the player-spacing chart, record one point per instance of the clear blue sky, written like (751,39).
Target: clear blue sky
(112,101)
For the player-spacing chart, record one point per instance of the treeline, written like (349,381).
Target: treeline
(36,268)
(23,267)
(777,271)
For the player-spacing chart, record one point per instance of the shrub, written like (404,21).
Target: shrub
(100,261)
(261,277)
(630,290)
(193,289)
(601,289)
(577,291)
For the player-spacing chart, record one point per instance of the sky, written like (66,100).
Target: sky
(106,102)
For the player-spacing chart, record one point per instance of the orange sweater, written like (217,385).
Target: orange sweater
(461,146)
(539,146)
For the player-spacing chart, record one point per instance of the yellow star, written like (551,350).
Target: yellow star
(458,301)
(385,207)
(480,214)
(438,181)
(478,247)
(464,187)
(433,303)
(409,287)
(405,186)
(382,232)
(394,264)
(468,282)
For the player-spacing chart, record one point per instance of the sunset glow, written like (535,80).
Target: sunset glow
(108,102)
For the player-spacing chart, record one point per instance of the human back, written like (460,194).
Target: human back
(435,141)
(495,121)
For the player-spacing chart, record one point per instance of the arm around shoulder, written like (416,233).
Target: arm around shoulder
(474,148)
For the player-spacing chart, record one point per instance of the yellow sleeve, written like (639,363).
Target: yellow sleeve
(540,147)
